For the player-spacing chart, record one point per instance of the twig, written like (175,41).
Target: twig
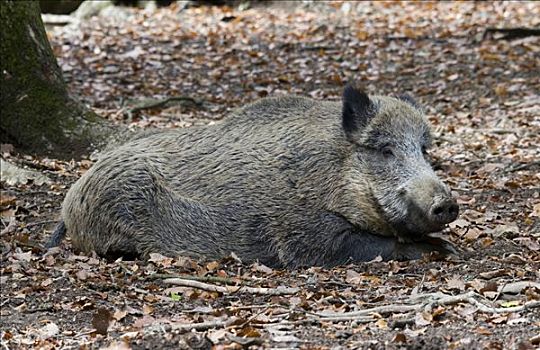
(31,164)
(11,227)
(216,279)
(254,317)
(435,299)
(4,345)
(524,166)
(359,319)
(203,326)
(230,289)
(517,287)
(31,244)
(385,309)
(39,223)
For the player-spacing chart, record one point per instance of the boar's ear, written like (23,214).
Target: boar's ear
(358,109)
(408,98)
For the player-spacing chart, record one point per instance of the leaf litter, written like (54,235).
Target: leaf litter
(479,92)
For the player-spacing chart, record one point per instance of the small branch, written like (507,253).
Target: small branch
(517,287)
(203,326)
(385,309)
(248,321)
(36,247)
(356,318)
(11,227)
(502,310)
(215,279)
(431,300)
(39,223)
(230,289)
(524,166)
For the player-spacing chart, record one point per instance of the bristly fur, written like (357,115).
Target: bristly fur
(288,181)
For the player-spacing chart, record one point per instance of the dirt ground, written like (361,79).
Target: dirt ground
(479,89)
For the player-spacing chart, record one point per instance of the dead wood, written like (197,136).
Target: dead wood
(231,289)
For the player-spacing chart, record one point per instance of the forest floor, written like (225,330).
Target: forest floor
(480,90)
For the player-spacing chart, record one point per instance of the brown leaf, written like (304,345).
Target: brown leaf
(455,283)
(143,321)
(6,200)
(119,314)
(48,331)
(118,345)
(101,320)
(423,319)
(490,286)
(472,234)
(459,223)
(399,338)
(506,229)
(261,268)
(47,282)
(160,260)
(211,266)
(82,275)
(23,256)
(495,273)
(483,331)
(528,242)
(147,309)
(249,332)
(536,210)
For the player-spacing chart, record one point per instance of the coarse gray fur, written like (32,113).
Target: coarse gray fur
(288,181)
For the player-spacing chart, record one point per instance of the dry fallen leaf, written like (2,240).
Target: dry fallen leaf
(160,260)
(100,320)
(399,338)
(119,314)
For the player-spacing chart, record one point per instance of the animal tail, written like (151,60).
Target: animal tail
(57,236)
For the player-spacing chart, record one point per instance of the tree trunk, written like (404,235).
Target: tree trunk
(38,115)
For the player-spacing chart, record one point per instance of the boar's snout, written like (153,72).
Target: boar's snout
(430,206)
(443,211)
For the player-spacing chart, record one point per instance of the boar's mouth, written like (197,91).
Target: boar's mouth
(415,224)
(414,232)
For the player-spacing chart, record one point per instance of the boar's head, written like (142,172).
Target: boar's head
(389,167)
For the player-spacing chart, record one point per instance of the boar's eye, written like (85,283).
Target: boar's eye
(387,152)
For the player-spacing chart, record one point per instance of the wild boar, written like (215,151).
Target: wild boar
(289,181)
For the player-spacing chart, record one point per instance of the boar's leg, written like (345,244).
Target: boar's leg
(362,246)
(333,241)
(415,250)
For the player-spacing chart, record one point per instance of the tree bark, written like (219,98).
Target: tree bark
(38,115)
